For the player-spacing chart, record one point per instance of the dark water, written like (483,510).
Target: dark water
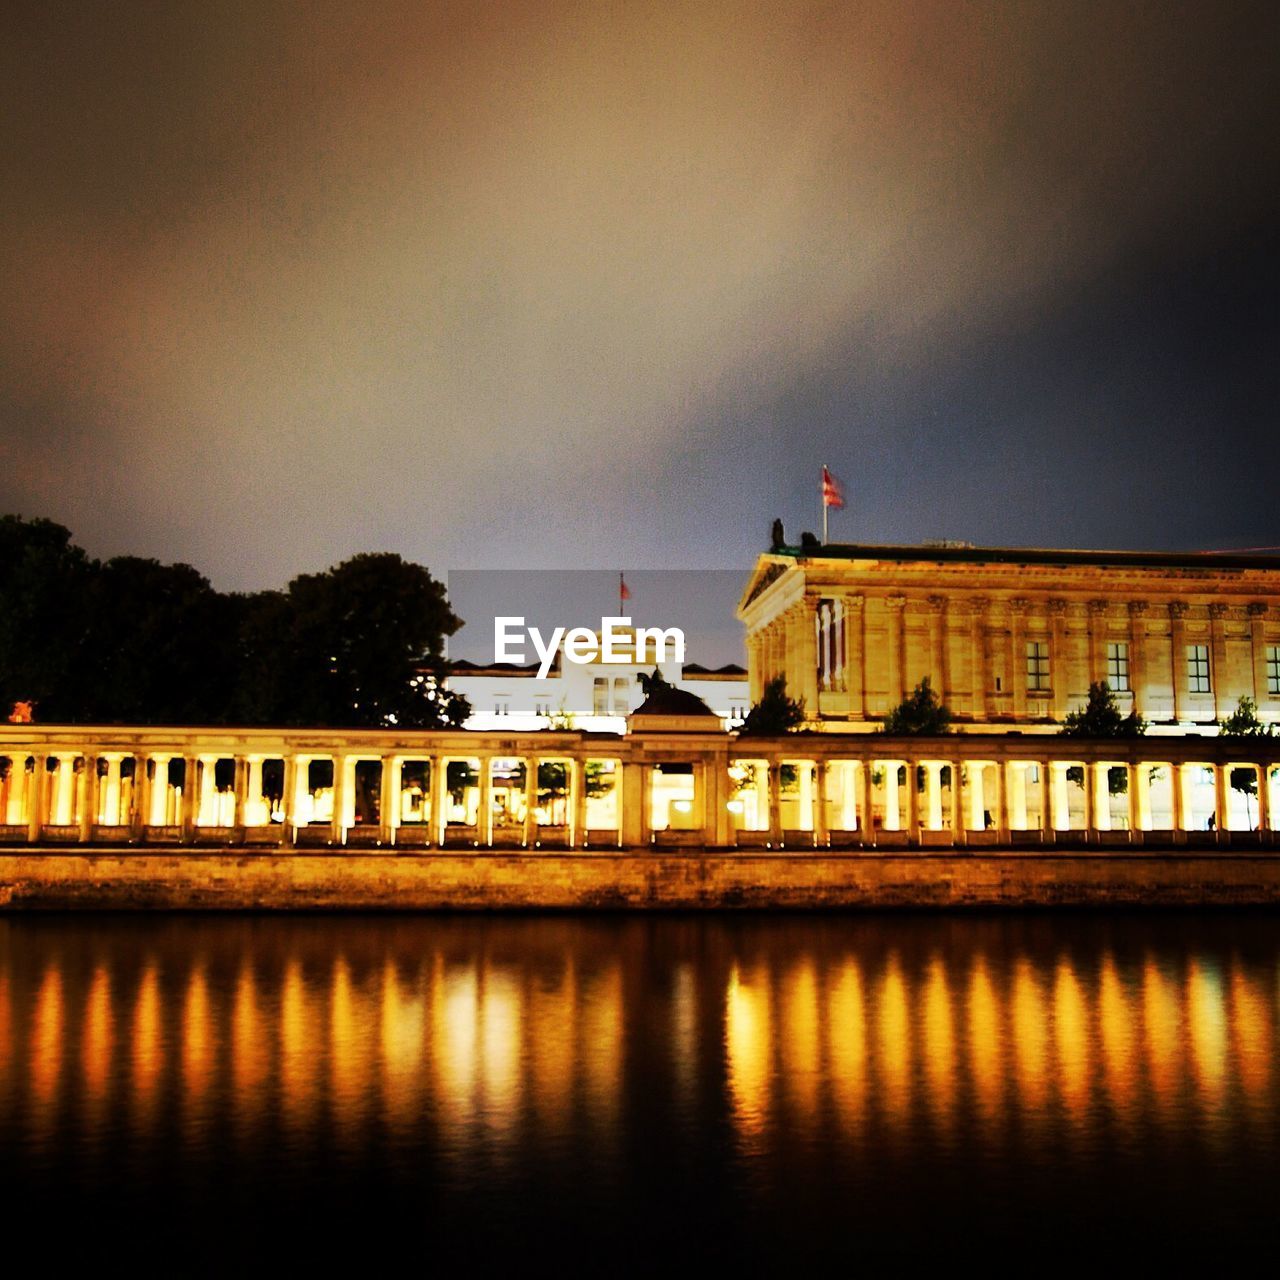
(612,1093)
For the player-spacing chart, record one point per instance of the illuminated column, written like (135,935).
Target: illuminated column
(633,798)
(1058,660)
(1097,625)
(1002,802)
(1102,796)
(1140,790)
(937,645)
(957,803)
(295,777)
(64,795)
(865,825)
(1258,651)
(436,781)
(87,795)
(1089,777)
(36,787)
(978,656)
(1221,781)
(530,800)
(187,816)
(204,781)
(855,654)
(775,803)
(109,810)
(913,801)
(1046,821)
(337,823)
(1178,658)
(755,675)
(891,822)
(977,795)
(389,799)
(484,814)
(1138,654)
(255,808)
(807,655)
(1182,807)
(1018,661)
(1016,784)
(1218,675)
(141,797)
(1061,806)
(1264,797)
(894,624)
(804,780)
(820,801)
(933,794)
(19,791)
(577,803)
(239,791)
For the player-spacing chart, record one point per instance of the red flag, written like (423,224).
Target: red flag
(832,490)
(624,591)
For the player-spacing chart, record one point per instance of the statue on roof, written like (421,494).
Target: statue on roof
(777,539)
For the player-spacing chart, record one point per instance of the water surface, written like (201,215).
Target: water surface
(621,1090)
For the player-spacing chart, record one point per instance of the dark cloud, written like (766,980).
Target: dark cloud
(541,284)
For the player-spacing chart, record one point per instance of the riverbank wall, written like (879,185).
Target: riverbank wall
(234,879)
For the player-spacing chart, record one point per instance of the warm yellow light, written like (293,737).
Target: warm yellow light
(735,806)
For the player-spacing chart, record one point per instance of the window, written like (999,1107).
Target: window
(829,638)
(1198,668)
(1273,668)
(1037,666)
(600,696)
(737,712)
(542,707)
(1118,667)
(621,691)
(501,705)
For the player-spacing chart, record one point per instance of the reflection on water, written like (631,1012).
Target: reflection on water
(579,1072)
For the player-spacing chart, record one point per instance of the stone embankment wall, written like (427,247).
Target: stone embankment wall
(236,880)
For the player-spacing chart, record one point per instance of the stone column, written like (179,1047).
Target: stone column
(254,807)
(937,645)
(805,634)
(978,656)
(437,782)
(16,799)
(913,802)
(1218,671)
(1138,655)
(1178,658)
(1140,793)
(1181,798)
(290,800)
(755,676)
(891,818)
(1102,796)
(820,802)
(1221,796)
(1002,803)
(1046,819)
(190,783)
(865,826)
(933,794)
(530,800)
(112,791)
(775,803)
(36,795)
(484,814)
(1018,659)
(1264,797)
(1016,784)
(577,803)
(633,797)
(1097,641)
(64,790)
(1258,651)
(87,795)
(977,796)
(855,654)
(895,626)
(1061,806)
(240,793)
(202,782)
(337,823)
(1058,660)
(389,800)
(957,803)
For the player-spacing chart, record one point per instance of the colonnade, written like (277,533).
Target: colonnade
(569,790)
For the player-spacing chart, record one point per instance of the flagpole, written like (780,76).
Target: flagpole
(823,489)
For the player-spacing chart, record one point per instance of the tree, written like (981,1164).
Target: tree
(775,713)
(922,714)
(1101,718)
(1243,723)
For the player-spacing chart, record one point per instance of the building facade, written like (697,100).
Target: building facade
(1013,637)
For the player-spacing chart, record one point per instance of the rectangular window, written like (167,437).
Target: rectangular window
(1037,666)
(1198,669)
(1273,668)
(828,624)
(621,696)
(600,696)
(542,708)
(1118,667)
(501,706)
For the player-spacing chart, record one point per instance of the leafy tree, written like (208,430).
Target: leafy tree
(921,714)
(1243,722)
(775,713)
(1101,718)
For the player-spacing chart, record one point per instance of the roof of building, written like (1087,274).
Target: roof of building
(949,552)
(668,700)
(730,671)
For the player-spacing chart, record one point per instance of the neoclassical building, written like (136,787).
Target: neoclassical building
(1014,636)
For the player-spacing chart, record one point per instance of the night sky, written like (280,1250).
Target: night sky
(560,285)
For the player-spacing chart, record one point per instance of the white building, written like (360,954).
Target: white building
(594,696)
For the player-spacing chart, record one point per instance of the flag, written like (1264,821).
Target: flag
(832,490)
(624,591)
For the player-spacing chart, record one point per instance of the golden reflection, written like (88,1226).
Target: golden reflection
(6,1031)
(1207,1021)
(552,1015)
(1071,1031)
(46,1040)
(684,1031)
(893,1043)
(297,1058)
(146,1041)
(1251,1034)
(800,1045)
(250,1057)
(1118,1035)
(500,1028)
(1030,1038)
(939,1043)
(197,1037)
(1161,1022)
(454,1041)
(97,1039)
(350,1052)
(847,1044)
(747,1046)
(401,1030)
(986,1040)
(602,1043)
